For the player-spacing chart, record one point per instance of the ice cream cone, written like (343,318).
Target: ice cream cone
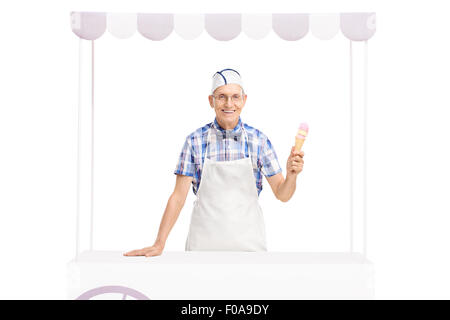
(301,136)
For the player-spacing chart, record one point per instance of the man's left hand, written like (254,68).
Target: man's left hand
(294,163)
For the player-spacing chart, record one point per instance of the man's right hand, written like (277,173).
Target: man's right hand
(154,250)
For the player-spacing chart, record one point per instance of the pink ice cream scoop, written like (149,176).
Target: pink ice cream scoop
(301,136)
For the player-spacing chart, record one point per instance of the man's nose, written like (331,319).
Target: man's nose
(227,101)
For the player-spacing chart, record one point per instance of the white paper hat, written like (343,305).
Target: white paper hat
(226,76)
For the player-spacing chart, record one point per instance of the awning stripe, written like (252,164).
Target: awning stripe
(155,26)
(358,26)
(290,26)
(223,27)
(324,26)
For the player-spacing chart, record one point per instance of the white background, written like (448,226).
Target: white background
(150,95)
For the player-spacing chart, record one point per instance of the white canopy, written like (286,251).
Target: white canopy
(224,27)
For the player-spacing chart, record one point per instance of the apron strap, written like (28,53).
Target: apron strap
(246,144)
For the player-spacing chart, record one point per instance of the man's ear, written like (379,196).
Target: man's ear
(210,99)
(245,99)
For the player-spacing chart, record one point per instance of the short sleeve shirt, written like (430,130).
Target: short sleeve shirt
(226,145)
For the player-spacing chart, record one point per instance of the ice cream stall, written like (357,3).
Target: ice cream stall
(99,274)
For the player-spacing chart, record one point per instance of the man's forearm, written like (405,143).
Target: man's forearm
(169,218)
(287,188)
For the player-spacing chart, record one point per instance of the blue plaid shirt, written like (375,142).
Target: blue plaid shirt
(226,145)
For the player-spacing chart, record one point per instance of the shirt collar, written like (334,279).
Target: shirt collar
(235,132)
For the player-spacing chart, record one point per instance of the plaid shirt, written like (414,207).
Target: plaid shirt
(226,145)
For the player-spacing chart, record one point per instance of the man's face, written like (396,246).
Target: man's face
(228,102)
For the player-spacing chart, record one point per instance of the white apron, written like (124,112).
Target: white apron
(226,214)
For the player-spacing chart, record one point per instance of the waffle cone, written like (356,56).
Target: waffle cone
(299,144)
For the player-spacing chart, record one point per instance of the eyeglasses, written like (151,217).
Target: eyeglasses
(222,98)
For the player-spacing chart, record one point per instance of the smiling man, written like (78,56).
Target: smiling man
(225,161)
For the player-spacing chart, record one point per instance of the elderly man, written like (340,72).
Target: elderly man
(224,161)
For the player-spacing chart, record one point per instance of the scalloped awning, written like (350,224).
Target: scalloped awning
(224,27)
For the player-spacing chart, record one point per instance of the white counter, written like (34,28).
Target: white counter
(223,275)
